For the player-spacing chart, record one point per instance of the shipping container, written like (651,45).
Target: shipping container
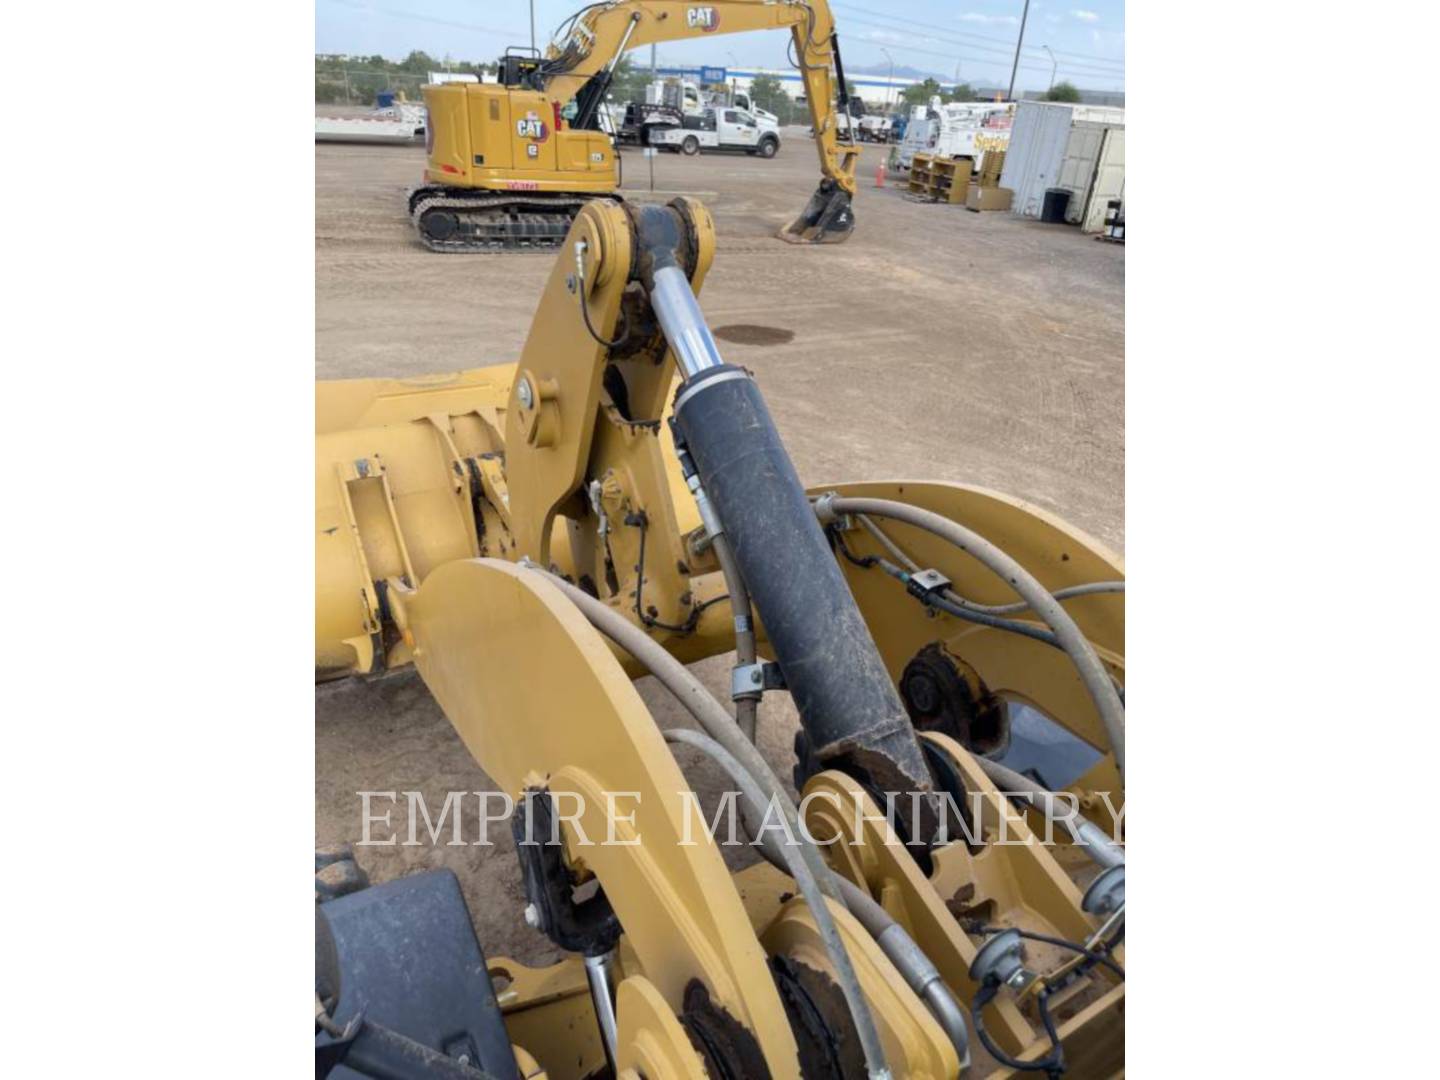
(1053,145)
(1109,181)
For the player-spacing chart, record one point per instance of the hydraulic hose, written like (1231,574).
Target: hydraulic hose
(746,708)
(892,938)
(725,735)
(1089,589)
(728,747)
(1092,672)
(1097,844)
(708,712)
(894,941)
(792,862)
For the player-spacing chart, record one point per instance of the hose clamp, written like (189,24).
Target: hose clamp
(750,681)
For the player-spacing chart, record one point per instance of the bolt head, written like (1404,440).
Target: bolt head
(526,393)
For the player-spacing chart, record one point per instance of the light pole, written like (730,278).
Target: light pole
(532,24)
(957,76)
(1024,15)
(1053,65)
(890,79)
(733,65)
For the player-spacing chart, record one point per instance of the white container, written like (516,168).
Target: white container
(1109,181)
(1053,145)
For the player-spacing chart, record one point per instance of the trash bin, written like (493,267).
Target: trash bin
(1057,201)
(385,98)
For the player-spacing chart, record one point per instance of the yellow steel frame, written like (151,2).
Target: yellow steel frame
(429,491)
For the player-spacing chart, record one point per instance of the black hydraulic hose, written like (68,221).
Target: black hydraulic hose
(1053,1065)
(1093,588)
(585,313)
(1098,956)
(1089,589)
(933,599)
(640,520)
(996,622)
(1087,662)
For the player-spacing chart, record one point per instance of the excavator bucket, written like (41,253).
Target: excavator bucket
(828,217)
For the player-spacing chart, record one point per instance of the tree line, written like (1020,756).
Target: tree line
(358,79)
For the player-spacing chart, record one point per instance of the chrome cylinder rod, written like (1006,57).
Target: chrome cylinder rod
(683,323)
(600,971)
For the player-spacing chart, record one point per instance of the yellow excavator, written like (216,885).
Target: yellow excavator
(506,171)
(946,898)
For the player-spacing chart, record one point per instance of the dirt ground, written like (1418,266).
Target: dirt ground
(936,343)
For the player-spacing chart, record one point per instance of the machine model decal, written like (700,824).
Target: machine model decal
(522,185)
(702,18)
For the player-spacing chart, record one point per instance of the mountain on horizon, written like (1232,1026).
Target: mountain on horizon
(901,72)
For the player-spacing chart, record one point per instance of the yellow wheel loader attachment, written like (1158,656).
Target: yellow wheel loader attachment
(534,536)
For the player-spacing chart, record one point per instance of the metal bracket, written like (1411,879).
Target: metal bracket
(925,583)
(824,510)
(752,680)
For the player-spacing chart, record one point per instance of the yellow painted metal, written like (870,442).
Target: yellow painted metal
(428,490)
(1014,882)
(549,1010)
(498,125)
(915,1045)
(539,700)
(655,1046)
(1055,552)
(481,135)
(470,471)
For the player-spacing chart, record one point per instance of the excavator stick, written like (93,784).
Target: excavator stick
(828,217)
(533,537)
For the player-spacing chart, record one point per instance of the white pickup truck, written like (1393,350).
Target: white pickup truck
(720,128)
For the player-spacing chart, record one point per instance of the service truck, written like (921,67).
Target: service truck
(719,129)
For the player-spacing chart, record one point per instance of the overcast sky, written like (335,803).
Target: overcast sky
(1087,37)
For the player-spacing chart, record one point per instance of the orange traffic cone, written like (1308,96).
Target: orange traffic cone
(880,173)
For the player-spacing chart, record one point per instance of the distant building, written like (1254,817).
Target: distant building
(1113,98)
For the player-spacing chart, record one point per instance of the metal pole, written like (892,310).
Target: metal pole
(1024,15)
(532,24)
(1053,65)
(682,322)
(890,79)
(654,71)
(600,973)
